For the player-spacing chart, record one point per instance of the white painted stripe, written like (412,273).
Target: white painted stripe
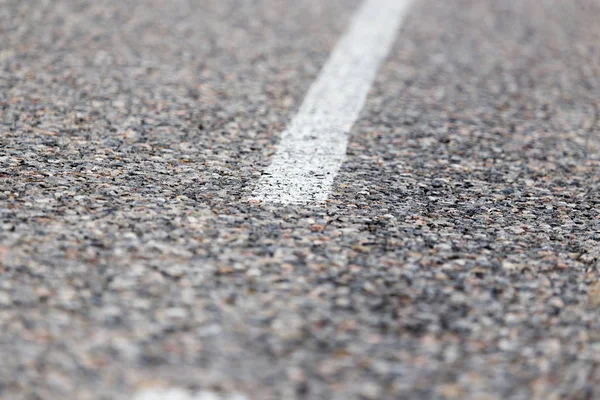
(312,148)
(180,394)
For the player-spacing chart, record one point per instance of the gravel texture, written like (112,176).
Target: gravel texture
(458,257)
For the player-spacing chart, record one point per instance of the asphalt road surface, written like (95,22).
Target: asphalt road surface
(455,253)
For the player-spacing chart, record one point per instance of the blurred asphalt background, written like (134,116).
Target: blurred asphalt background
(458,256)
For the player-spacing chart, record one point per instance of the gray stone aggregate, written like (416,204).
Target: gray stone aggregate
(457,257)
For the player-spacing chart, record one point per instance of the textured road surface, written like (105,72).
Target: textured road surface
(457,258)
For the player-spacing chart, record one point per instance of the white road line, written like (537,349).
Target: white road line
(180,394)
(313,146)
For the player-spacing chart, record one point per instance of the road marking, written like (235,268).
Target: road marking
(180,394)
(313,146)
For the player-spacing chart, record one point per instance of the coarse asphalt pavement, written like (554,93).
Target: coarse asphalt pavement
(457,256)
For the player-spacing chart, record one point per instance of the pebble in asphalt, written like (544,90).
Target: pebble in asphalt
(457,256)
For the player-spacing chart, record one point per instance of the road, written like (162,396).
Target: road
(454,253)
